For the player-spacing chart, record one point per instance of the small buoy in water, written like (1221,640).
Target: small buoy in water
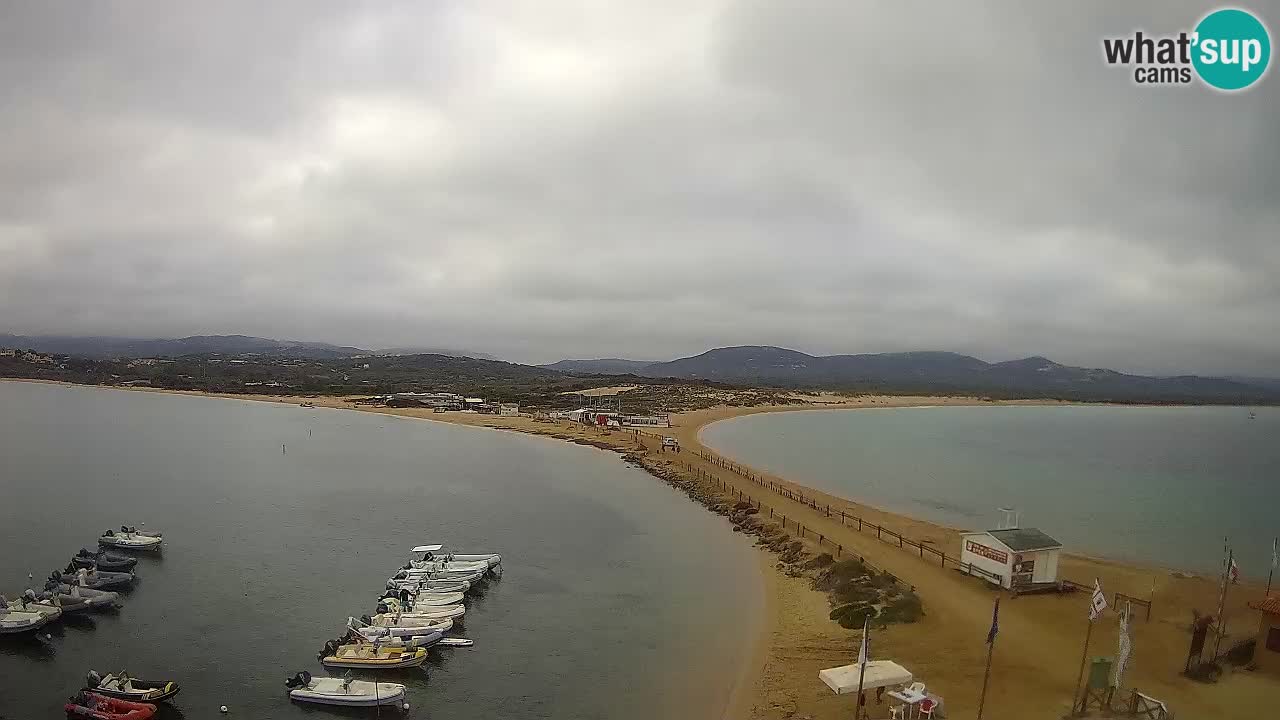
(222,709)
(47,636)
(405,706)
(29,576)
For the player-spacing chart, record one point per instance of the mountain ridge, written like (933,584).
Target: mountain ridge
(101,347)
(943,372)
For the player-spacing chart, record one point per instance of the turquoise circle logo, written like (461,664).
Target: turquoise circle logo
(1232,49)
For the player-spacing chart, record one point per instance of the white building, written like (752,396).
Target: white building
(1019,556)
(508,408)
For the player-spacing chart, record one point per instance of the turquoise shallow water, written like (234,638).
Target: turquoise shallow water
(1154,485)
(615,584)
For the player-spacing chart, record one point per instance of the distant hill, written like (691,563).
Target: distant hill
(434,351)
(945,372)
(100,348)
(602,366)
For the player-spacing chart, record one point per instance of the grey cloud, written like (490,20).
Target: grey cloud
(541,181)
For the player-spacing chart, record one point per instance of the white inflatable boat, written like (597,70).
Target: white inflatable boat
(435,552)
(406,627)
(19,617)
(130,541)
(453,612)
(345,692)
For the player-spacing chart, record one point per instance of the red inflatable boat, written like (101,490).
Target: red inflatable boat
(100,707)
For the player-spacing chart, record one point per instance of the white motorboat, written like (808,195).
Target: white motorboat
(130,541)
(430,599)
(438,566)
(472,575)
(144,533)
(433,552)
(453,612)
(402,581)
(20,617)
(425,641)
(343,691)
(387,626)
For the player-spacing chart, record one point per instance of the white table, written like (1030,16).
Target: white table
(909,697)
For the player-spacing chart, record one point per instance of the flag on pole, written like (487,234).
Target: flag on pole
(995,623)
(1126,645)
(1235,572)
(1098,602)
(864,651)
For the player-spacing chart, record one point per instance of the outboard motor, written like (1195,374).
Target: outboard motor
(92,679)
(70,569)
(382,608)
(84,553)
(300,680)
(330,647)
(366,619)
(402,575)
(109,534)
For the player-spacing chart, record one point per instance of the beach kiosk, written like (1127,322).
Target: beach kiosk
(1266,651)
(1012,557)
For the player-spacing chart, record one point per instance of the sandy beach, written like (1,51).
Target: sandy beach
(1039,649)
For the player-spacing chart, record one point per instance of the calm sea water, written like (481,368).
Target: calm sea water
(1155,485)
(615,584)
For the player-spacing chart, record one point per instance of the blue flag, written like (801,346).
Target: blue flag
(995,623)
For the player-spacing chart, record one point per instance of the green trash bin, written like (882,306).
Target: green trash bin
(1100,673)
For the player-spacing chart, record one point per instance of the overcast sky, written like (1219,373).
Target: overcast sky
(543,179)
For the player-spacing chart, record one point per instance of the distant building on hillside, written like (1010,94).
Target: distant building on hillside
(509,409)
(436,400)
(603,417)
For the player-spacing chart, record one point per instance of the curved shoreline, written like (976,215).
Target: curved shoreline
(735,704)
(1040,635)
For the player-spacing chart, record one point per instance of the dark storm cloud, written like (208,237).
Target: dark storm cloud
(545,180)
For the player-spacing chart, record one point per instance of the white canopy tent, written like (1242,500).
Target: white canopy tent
(843,680)
(427,548)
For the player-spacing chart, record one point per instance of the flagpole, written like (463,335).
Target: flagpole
(1274,544)
(1084,656)
(862,670)
(864,654)
(991,646)
(1222,604)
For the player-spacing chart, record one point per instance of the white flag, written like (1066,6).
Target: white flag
(863,650)
(1122,657)
(1098,602)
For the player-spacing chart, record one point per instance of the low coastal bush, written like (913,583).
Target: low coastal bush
(905,608)
(853,615)
(848,570)
(854,592)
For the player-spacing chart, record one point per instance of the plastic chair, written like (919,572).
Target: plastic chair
(926,708)
(897,712)
(916,687)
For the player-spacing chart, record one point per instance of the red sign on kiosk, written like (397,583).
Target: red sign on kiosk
(986,552)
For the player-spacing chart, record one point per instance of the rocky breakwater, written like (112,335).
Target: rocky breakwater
(855,589)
